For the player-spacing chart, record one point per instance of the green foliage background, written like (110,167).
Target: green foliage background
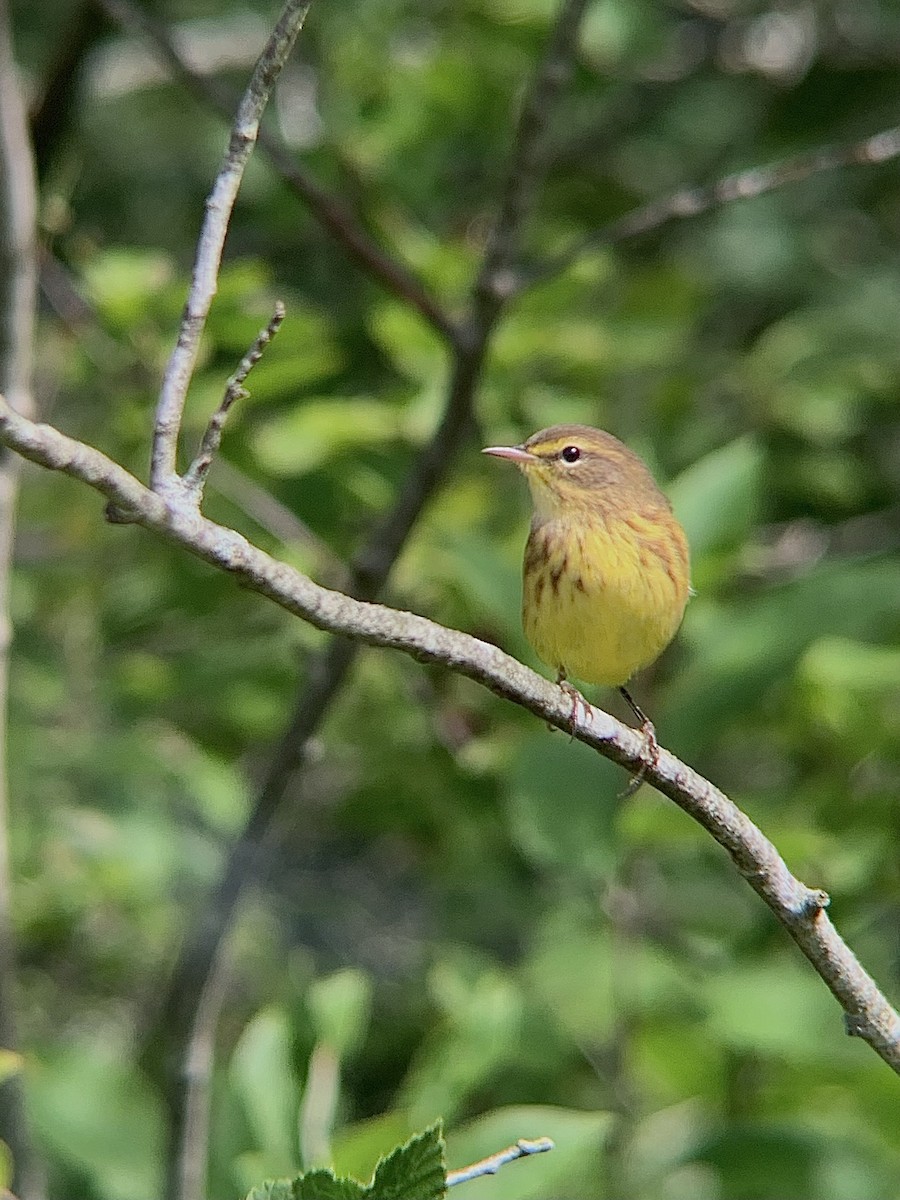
(457,906)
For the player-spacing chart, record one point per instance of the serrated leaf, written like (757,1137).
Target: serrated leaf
(313,1185)
(322,1185)
(417,1170)
(273,1189)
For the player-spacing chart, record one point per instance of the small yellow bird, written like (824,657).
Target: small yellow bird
(606,575)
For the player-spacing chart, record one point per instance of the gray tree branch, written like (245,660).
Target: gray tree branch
(219,205)
(800,909)
(18,296)
(328,209)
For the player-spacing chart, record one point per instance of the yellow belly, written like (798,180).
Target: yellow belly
(602,600)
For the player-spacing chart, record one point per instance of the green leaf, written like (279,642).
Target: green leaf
(416,1170)
(313,1185)
(483,1009)
(273,1189)
(834,662)
(6,1167)
(408,341)
(262,1076)
(340,1006)
(122,1153)
(323,1185)
(356,1147)
(717,499)
(119,281)
(548,768)
(778,1008)
(319,430)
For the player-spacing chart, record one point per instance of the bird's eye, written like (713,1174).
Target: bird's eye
(570,454)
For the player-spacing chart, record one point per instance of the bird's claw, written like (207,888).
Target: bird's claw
(578,701)
(649,758)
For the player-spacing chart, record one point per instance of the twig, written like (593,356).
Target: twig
(742,185)
(799,908)
(219,205)
(188,1168)
(491,1165)
(318,1105)
(18,297)
(329,210)
(195,476)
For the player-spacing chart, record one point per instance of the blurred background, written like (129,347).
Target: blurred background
(455,915)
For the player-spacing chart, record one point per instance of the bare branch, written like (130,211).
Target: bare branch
(219,205)
(742,185)
(195,476)
(491,1165)
(329,210)
(18,297)
(799,908)
(189,1166)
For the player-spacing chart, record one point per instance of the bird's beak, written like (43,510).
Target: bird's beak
(514,453)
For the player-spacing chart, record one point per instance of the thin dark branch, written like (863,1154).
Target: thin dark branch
(489,297)
(497,280)
(742,185)
(55,110)
(195,476)
(800,909)
(189,1168)
(18,298)
(334,215)
(329,210)
(219,206)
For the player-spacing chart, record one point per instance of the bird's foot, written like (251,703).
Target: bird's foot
(649,758)
(578,702)
(650,750)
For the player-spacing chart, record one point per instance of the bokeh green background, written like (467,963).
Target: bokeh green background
(456,901)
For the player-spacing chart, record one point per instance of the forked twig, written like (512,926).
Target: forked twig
(371,568)
(195,476)
(329,209)
(219,206)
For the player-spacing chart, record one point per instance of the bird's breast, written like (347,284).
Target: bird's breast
(603,596)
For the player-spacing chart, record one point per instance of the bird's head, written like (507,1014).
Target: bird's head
(574,469)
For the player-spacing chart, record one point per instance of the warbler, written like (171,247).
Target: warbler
(606,575)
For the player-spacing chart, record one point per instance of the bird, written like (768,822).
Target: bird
(606,572)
